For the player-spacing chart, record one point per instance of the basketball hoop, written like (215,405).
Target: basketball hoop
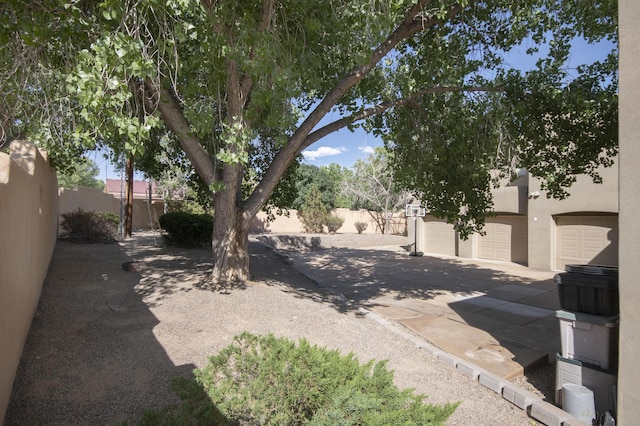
(415,211)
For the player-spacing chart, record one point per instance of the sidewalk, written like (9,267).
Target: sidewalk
(498,316)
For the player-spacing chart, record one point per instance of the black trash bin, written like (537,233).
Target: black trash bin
(589,289)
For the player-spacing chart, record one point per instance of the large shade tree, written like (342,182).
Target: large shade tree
(242,86)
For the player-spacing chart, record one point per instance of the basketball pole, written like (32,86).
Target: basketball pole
(415,238)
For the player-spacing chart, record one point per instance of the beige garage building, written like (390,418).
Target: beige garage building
(537,231)
(439,237)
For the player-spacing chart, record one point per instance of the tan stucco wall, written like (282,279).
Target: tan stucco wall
(87,199)
(629,373)
(585,197)
(93,199)
(29,200)
(511,197)
(291,224)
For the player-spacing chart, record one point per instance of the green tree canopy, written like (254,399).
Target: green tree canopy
(85,174)
(327,180)
(242,88)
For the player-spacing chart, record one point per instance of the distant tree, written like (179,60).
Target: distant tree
(371,186)
(326,179)
(336,174)
(313,213)
(166,164)
(85,174)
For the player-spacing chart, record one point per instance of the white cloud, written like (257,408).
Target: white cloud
(323,151)
(367,149)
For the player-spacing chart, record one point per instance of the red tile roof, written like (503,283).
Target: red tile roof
(140,188)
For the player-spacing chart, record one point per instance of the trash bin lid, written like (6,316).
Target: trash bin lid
(592,269)
(608,321)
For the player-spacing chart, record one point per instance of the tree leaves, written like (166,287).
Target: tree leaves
(562,130)
(243,77)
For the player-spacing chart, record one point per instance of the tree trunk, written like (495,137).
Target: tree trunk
(230,246)
(232,216)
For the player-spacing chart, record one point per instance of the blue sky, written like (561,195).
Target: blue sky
(344,147)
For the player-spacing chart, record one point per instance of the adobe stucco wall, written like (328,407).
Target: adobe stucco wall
(93,199)
(87,199)
(629,284)
(291,224)
(29,200)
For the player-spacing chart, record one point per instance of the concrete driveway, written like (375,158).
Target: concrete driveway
(496,315)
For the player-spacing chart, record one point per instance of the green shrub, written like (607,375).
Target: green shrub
(333,223)
(187,206)
(87,227)
(112,218)
(274,381)
(187,229)
(361,226)
(313,212)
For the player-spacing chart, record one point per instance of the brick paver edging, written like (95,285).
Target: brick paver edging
(544,412)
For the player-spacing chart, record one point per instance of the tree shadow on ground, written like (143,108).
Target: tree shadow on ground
(366,274)
(512,304)
(91,356)
(271,268)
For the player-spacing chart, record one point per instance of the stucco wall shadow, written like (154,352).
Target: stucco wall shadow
(92,354)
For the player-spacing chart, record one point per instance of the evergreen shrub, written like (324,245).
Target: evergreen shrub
(112,218)
(313,213)
(333,223)
(187,229)
(264,380)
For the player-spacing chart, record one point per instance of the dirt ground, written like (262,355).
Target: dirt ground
(106,339)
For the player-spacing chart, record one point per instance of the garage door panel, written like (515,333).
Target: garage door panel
(586,240)
(505,239)
(440,237)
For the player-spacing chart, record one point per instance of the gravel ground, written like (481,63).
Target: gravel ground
(105,341)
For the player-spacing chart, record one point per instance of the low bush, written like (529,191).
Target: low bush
(88,227)
(187,229)
(112,218)
(361,227)
(333,223)
(274,381)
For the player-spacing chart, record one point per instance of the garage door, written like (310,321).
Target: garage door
(505,239)
(440,237)
(586,240)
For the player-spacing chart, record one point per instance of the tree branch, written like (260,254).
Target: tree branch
(413,23)
(380,108)
(172,116)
